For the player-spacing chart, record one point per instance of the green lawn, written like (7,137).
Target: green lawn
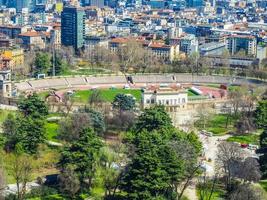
(216,195)
(217,124)
(108,95)
(4,113)
(263,184)
(251,138)
(51,131)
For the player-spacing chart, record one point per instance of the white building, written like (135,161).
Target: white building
(172,98)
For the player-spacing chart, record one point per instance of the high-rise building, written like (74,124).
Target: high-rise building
(73,27)
(195,3)
(238,43)
(97,3)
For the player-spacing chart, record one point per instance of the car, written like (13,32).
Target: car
(244,146)
(126,86)
(70,92)
(94,87)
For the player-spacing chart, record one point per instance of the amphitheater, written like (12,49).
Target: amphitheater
(108,80)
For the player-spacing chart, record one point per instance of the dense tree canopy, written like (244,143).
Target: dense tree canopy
(162,158)
(123,102)
(153,119)
(81,155)
(261,113)
(32,105)
(42,63)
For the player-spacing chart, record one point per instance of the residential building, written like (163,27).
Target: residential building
(73,27)
(163,51)
(237,43)
(32,40)
(16,57)
(188,44)
(12,31)
(212,48)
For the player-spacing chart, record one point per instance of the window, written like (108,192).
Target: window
(175,101)
(178,100)
(152,101)
(159,102)
(183,100)
(148,101)
(167,102)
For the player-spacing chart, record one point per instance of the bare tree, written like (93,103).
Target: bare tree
(204,114)
(69,182)
(206,186)
(67,102)
(227,156)
(71,127)
(248,170)
(247,191)
(2,183)
(21,170)
(129,55)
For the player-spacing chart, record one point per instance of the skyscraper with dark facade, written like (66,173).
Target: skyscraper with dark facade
(194,3)
(73,27)
(97,3)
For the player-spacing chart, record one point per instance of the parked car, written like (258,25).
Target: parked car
(244,146)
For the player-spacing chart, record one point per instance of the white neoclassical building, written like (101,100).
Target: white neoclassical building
(172,98)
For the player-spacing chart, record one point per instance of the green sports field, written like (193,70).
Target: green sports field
(108,95)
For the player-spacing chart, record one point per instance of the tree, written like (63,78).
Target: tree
(263,139)
(206,186)
(68,102)
(227,156)
(21,170)
(68,182)
(123,102)
(82,155)
(263,157)
(96,99)
(96,120)
(261,113)
(247,191)
(33,106)
(204,115)
(10,128)
(42,63)
(2,183)
(110,164)
(71,127)
(163,159)
(153,119)
(129,55)
(145,177)
(29,132)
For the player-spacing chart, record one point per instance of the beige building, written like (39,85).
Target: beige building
(32,39)
(173,99)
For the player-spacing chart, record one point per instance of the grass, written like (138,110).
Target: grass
(217,194)
(233,87)
(43,164)
(4,114)
(245,139)
(108,95)
(263,184)
(217,123)
(51,131)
